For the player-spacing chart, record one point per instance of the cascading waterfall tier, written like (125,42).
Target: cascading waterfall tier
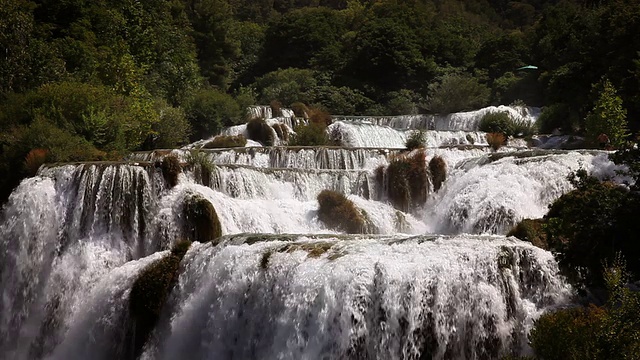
(330,158)
(357,297)
(492,193)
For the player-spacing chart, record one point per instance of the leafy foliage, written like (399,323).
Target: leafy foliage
(415,140)
(591,224)
(608,116)
(458,93)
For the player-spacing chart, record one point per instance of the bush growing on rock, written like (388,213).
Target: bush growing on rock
(171,169)
(300,110)
(591,224)
(438,172)
(312,134)
(150,291)
(201,166)
(415,141)
(260,131)
(408,181)
(498,122)
(531,230)
(226,141)
(201,218)
(340,213)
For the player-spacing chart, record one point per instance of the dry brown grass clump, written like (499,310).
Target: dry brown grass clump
(531,230)
(34,159)
(320,116)
(438,171)
(260,131)
(496,140)
(408,181)
(282,131)
(226,141)
(276,108)
(300,110)
(340,213)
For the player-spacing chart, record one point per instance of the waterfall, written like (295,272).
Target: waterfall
(439,280)
(379,298)
(490,194)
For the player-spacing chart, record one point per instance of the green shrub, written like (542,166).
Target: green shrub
(558,116)
(287,85)
(171,168)
(173,128)
(201,218)
(209,110)
(568,334)
(312,134)
(607,116)
(340,213)
(226,141)
(611,331)
(438,172)
(499,122)
(260,131)
(591,224)
(415,141)
(408,181)
(458,92)
(150,291)
(531,230)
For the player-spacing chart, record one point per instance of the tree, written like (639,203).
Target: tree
(607,116)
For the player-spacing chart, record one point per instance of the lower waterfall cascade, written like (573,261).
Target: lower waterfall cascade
(440,280)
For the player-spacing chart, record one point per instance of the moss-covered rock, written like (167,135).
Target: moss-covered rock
(438,172)
(531,230)
(201,166)
(407,181)
(171,168)
(226,141)
(340,213)
(260,131)
(201,218)
(149,294)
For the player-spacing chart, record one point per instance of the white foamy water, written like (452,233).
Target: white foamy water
(486,196)
(379,298)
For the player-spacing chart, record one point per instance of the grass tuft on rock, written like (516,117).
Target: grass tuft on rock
(171,168)
(496,140)
(408,181)
(438,172)
(260,131)
(226,141)
(202,167)
(202,220)
(150,291)
(340,213)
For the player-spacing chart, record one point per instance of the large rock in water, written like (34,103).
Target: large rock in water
(202,220)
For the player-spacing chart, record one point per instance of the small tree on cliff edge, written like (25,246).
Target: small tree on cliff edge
(607,116)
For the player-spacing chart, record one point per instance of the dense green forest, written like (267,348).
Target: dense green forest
(87,80)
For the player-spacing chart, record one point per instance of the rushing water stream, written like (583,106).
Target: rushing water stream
(280,284)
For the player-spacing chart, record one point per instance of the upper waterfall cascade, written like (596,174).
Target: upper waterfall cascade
(439,280)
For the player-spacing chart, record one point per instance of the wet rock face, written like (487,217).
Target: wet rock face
(201,219)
